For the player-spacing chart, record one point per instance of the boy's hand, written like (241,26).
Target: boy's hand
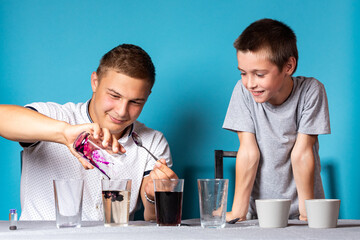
(302,218)
(71,132)
(230,216)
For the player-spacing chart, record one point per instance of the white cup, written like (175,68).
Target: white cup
(322,213)
(273,213)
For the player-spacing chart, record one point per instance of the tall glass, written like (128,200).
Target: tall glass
(168,201)
(68,202)
(212,200)
(116,201)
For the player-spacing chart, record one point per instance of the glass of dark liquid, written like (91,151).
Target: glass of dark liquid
(168,201)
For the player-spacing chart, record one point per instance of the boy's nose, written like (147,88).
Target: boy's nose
(251,83)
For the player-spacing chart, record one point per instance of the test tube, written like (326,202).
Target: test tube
(13,219)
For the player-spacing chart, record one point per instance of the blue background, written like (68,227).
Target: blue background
(48,50)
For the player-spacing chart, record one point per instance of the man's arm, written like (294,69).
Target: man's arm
(247,161)
(160,171)
(25,125)
(303,166)
(149,207)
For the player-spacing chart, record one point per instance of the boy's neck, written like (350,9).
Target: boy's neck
(286,92)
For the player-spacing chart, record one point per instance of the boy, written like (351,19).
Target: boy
(277,118)
(47,131)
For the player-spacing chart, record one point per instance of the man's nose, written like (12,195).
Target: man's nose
(122,108)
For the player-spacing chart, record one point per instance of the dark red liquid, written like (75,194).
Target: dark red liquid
(168,208)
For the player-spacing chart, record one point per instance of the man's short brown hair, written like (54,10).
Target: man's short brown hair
(270,35)
(130,60)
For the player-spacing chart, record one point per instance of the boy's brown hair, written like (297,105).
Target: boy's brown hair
(130,60)
(270,35)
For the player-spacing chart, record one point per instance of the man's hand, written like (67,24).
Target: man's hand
(71,132)
(160,171)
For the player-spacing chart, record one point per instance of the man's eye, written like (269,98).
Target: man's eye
(136,103)
(260,75)
(242,74)
(114,96)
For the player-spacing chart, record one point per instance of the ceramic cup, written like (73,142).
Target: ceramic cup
(322,213)
(273,213)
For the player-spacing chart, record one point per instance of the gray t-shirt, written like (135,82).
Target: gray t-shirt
(276,127)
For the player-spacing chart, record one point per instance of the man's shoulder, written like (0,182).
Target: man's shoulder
(64,112)
(68,105)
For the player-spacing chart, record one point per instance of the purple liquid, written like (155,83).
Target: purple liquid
(168,208)
(92,154)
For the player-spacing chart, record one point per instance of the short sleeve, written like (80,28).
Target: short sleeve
(50,109)
(315,112)
(238,116)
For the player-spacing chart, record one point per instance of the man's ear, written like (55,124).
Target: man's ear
(94,81)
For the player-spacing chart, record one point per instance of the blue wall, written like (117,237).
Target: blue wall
(48,50)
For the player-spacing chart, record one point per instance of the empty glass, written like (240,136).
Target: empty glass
(68,202)
(212,200)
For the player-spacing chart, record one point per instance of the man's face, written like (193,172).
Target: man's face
(263,79)
(117,100)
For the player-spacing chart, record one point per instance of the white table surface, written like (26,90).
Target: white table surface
(347,229)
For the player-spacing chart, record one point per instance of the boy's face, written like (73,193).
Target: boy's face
(263,79)
(117,100)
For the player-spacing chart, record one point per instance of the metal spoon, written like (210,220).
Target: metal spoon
(138,142)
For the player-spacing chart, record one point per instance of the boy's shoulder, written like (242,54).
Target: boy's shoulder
(307,82)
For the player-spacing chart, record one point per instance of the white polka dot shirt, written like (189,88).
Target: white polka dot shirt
(45,161)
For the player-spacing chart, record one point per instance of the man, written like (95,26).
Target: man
(121,86)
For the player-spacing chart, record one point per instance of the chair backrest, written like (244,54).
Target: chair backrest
(219,155)
(21,161)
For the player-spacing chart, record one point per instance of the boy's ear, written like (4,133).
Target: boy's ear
(94,81)
(290,65)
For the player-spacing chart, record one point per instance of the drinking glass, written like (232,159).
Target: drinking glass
(116,201)
(212,200)
(168,201)
(68,202)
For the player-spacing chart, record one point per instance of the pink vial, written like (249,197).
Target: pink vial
(92,150)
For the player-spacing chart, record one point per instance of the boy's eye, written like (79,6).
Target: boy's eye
(260,75)
(242,73)
(136,103)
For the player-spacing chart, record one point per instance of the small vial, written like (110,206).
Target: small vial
(13,219)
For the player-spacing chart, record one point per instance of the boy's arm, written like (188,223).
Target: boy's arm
(303,166)
(25,125)
(247,161)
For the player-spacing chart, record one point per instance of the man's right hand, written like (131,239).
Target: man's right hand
(71,132)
